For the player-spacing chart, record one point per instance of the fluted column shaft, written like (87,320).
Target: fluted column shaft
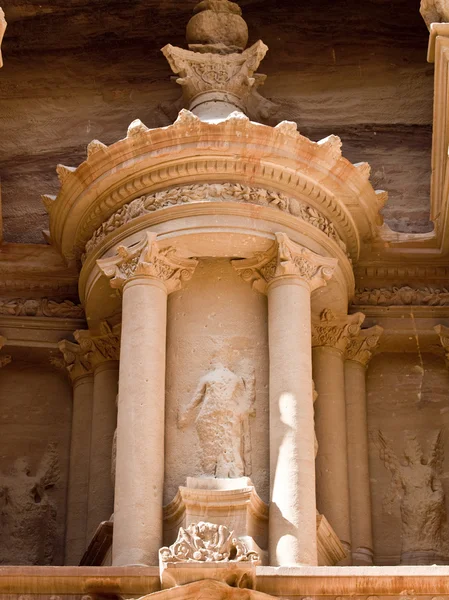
(288,273)
(146,275)
(330,338)
(358,354)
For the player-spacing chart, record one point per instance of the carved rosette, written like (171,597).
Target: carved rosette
(360,349)
(335,331)
(4,359)
(148,260)
(285,259)
(101,348)
(76,360)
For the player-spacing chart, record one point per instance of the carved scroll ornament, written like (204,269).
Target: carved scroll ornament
(217,192)
(40,307)
(147,259)
(285,258)
(206,542)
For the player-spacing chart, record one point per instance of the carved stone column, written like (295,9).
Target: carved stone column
(330,337)
(146,274)
(358,354)
(288,274)
(103,351)
(80,371)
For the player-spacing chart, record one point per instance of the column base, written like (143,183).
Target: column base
(363,557)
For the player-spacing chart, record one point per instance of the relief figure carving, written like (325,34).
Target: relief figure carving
(226,400)
(27,513)
(416,483)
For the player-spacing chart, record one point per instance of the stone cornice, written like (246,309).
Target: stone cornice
(191,151)
(285,259)
(149,260)
(336,331)
(218,192)
(360,348)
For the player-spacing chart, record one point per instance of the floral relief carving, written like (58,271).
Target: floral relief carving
(40,307)
(285,258)
(146,258)
(77,361)
(402,296)
(416,484)
(207,542)
(336,331)
(100,348)
(219,192)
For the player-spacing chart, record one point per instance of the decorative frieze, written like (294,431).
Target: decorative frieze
(147,259)
(217,192)
(285,258)
(361,348)
(336,331)
(40,307)
(402,296)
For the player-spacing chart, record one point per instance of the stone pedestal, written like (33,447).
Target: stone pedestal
(231,502)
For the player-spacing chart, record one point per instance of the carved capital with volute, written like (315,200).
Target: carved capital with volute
(4,359)
(334,331)
(77,360)
(147,259)
(360,348)
(285,259)
(101,348)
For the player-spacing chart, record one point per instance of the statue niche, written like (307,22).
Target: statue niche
(27,514)
(416,483)
(222,423)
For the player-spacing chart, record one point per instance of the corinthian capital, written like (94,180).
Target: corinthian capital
(285,259)
(336,331)
(360,348)
(147,259)
(77,361)
(99,348)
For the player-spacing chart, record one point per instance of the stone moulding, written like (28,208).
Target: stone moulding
(190,151)
(218,192)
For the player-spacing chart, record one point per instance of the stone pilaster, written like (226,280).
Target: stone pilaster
(288,273)
(103,351)
(331,335)
(79,367)
(146,274)
(358,354)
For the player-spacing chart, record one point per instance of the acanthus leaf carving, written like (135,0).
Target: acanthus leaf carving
(360,348)
(218,192)
(336,331)
(77,362)
(206,542)
(147,259)
(285,258)
(99,348)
